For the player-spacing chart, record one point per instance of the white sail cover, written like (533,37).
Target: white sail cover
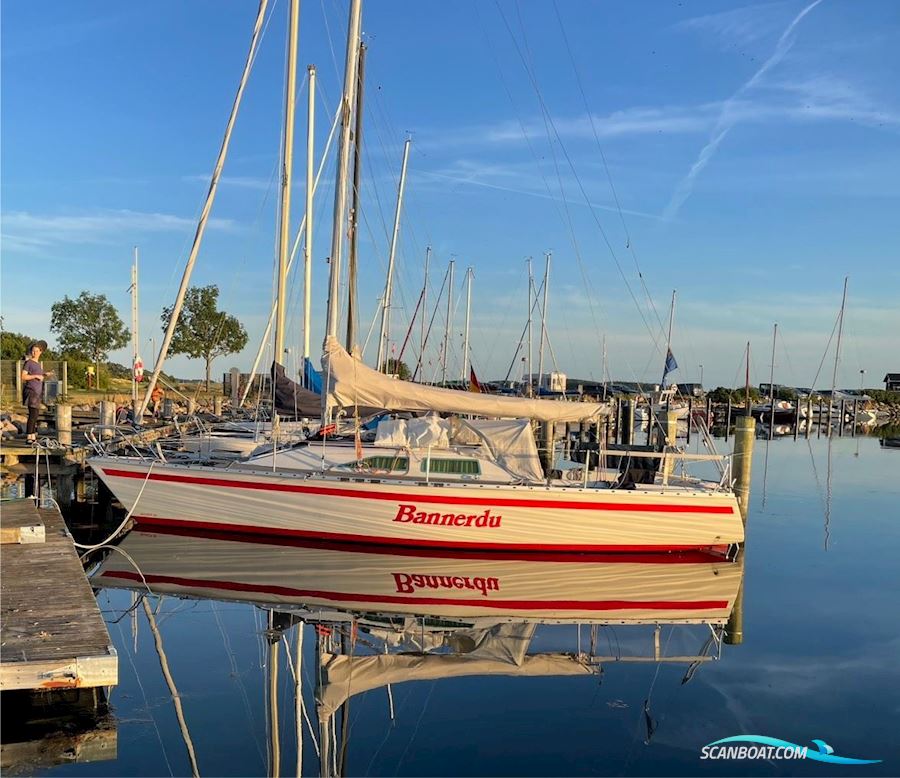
(352,383)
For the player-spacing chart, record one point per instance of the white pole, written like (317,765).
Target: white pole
(447,328)
(530,306)
(465,369)
(204,215)
(544,321)
(837,351)
(384,339)
(424,306)
(310,191)
(340,190)
(135,342)
(668,340)
(300,233)
(287,165)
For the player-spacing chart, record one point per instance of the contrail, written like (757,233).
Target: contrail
(727,119)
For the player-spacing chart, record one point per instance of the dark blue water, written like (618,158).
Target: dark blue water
(819,660)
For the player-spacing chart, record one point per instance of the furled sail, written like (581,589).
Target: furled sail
(352,383)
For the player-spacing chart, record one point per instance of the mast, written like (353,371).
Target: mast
(352,303)
(204,215)
(544,321)
(465,369)
(287,164)
(135,337)
(668,340)
(385,337)
(308,219)
(747,384)
(424,306)
(340,190)
(772,386)
(837,351)
(528,391)
(447,328)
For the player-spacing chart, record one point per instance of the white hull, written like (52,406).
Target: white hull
(412,513)
(609,588)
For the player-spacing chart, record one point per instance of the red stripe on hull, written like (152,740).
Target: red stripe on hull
(321,544)
(391,599)
(375,540)
(480,499)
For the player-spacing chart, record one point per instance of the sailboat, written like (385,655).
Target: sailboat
(430,481)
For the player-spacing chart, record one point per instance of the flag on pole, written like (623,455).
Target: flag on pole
(474,386)
(671,365)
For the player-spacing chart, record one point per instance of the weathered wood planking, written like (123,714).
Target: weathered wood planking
(52,635)
(20,523)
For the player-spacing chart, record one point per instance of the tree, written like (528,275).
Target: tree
(203,331)
(88,326)
(396,367)
(14,344)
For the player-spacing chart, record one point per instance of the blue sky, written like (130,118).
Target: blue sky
(753,148)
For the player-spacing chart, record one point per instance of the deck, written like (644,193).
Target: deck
(52,635)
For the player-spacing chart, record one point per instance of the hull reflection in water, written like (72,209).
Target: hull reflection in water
(390,616)
(616,588)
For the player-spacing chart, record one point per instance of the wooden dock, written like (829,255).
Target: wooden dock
(52,635)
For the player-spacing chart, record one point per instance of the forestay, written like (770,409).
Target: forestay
(352,383)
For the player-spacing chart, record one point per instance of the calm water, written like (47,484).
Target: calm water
(819,658)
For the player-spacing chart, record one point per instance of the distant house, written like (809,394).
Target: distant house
(892,382)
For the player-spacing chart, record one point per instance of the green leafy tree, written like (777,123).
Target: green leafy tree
(14,344)
(396,367)
(88,326)
(203,331)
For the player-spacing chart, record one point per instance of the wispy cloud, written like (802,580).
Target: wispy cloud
(31,233)
(727,119)
(739,25)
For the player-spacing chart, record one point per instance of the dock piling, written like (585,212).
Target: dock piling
(744,437)
(217,405)
(107,418)
(64,424)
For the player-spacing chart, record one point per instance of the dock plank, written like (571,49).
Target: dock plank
(21,523)
(52,635)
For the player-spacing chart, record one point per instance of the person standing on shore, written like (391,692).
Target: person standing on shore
(33,386)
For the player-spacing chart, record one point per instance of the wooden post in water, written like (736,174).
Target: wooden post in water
(107,418)
(796,417)
(64,424)
(744,437)
(628,423)
(841,418)
(708,420)
(819,425)
(235,375)
(853,420)
(728,419)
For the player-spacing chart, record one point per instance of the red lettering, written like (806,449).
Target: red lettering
(405,512)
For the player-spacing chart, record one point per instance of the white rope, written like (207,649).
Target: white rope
(124,521)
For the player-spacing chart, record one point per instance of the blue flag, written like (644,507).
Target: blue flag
(671,365)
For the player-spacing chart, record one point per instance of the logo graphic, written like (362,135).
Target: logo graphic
(772,748)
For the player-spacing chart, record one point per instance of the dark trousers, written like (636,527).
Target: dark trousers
(33,412)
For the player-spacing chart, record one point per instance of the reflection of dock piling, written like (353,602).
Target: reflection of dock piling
(734,629)
(744,436)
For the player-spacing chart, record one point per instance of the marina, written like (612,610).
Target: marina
(549,439)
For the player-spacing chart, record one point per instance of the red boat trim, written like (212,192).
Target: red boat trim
(410,542)
(481,500)
(288,591)
(713,555)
